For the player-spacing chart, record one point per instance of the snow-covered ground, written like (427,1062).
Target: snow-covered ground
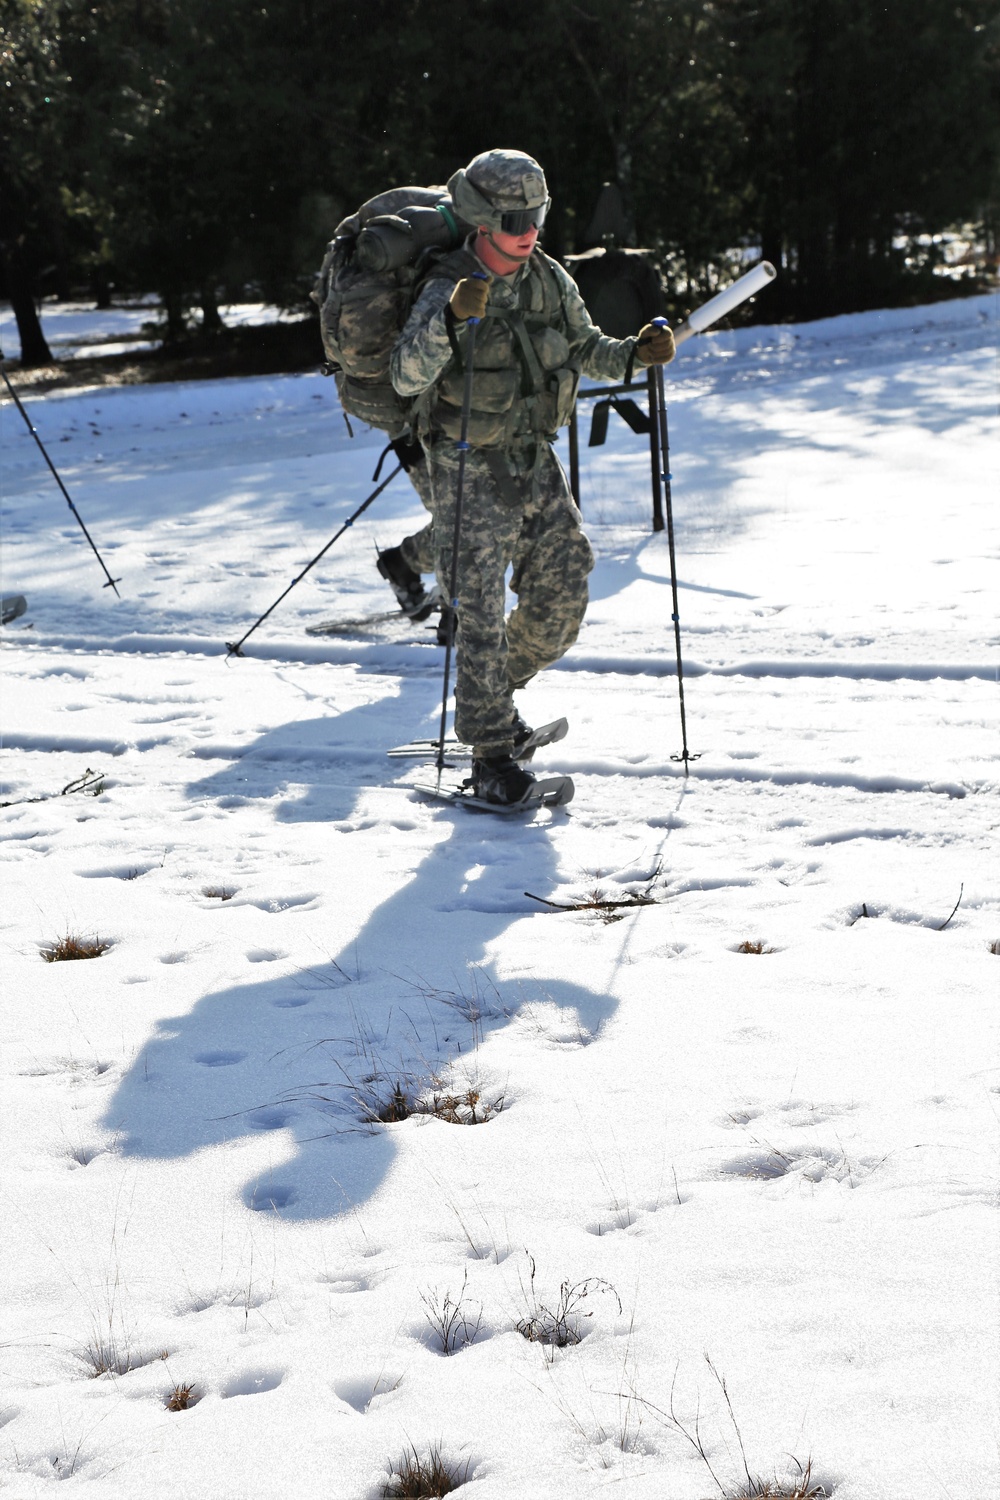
(76,330)
(783,1161)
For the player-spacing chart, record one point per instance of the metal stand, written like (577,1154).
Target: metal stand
(616,398)
(574,457)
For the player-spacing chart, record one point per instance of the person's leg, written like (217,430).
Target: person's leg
(552,560)
(484,709)
(418,550)
(402,566)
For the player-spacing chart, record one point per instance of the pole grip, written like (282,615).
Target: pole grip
(477,276)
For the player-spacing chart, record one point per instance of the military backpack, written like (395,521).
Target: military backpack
(371,273)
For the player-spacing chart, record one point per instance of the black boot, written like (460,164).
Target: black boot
(407,585)
(500,779)
(442,627)
(520,733)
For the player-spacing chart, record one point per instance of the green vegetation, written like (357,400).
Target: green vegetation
(202,151)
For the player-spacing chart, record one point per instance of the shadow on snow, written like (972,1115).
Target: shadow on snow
(400,999)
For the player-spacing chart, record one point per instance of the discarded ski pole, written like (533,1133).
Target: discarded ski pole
(55,474)
(233,648)
(452,607)
(661,417)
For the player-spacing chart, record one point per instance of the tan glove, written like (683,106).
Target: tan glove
(655,346)
(468,300)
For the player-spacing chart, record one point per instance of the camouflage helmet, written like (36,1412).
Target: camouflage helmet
(498,185)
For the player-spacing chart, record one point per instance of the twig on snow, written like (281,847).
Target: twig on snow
(961,892)
(90,781)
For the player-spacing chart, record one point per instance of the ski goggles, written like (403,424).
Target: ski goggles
(520,220)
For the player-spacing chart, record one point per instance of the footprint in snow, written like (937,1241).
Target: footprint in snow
(81,1156)
(818,1165)
(253,1383)
(286,903)
(270,1119)
(78,1071)
(360,1391)
(799,1113)
(344,1285)
(270,1198)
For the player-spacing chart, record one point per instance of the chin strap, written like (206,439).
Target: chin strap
(516,260)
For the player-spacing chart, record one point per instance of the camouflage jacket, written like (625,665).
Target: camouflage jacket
(535,341)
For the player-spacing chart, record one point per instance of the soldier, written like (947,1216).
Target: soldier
(534,341)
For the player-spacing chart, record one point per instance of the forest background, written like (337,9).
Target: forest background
(204,150)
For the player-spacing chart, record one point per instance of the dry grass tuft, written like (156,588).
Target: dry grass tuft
(751,1487)
(425,1476)
(460,1109)
(995,946)
(559,1327)
(772,1489)
(402,1101)
(73,947)
(454,1322)
(181,1398)
(398,1105)
(107,1354)
(748,947)
(219,892)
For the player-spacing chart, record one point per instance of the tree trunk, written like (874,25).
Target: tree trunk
(623,176)
(211,319)
(100,287)
(174,307)
(34,348)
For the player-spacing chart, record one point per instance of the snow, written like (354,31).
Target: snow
(78,330)
(784,1161)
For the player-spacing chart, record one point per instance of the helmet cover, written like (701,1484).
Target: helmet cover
(497,183)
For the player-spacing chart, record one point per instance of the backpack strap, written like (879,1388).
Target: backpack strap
(526,348)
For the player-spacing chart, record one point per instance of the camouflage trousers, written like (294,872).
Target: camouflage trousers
(418,550)
(528,522)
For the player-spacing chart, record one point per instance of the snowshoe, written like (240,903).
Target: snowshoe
(354,625)
(528,740)
(545,791)
(11,607)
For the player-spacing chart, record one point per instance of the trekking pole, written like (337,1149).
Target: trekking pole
(233,647)
(661,416)
(55,474)
(463,447)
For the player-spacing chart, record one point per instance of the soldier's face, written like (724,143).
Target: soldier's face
(518,245)
(512,248)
